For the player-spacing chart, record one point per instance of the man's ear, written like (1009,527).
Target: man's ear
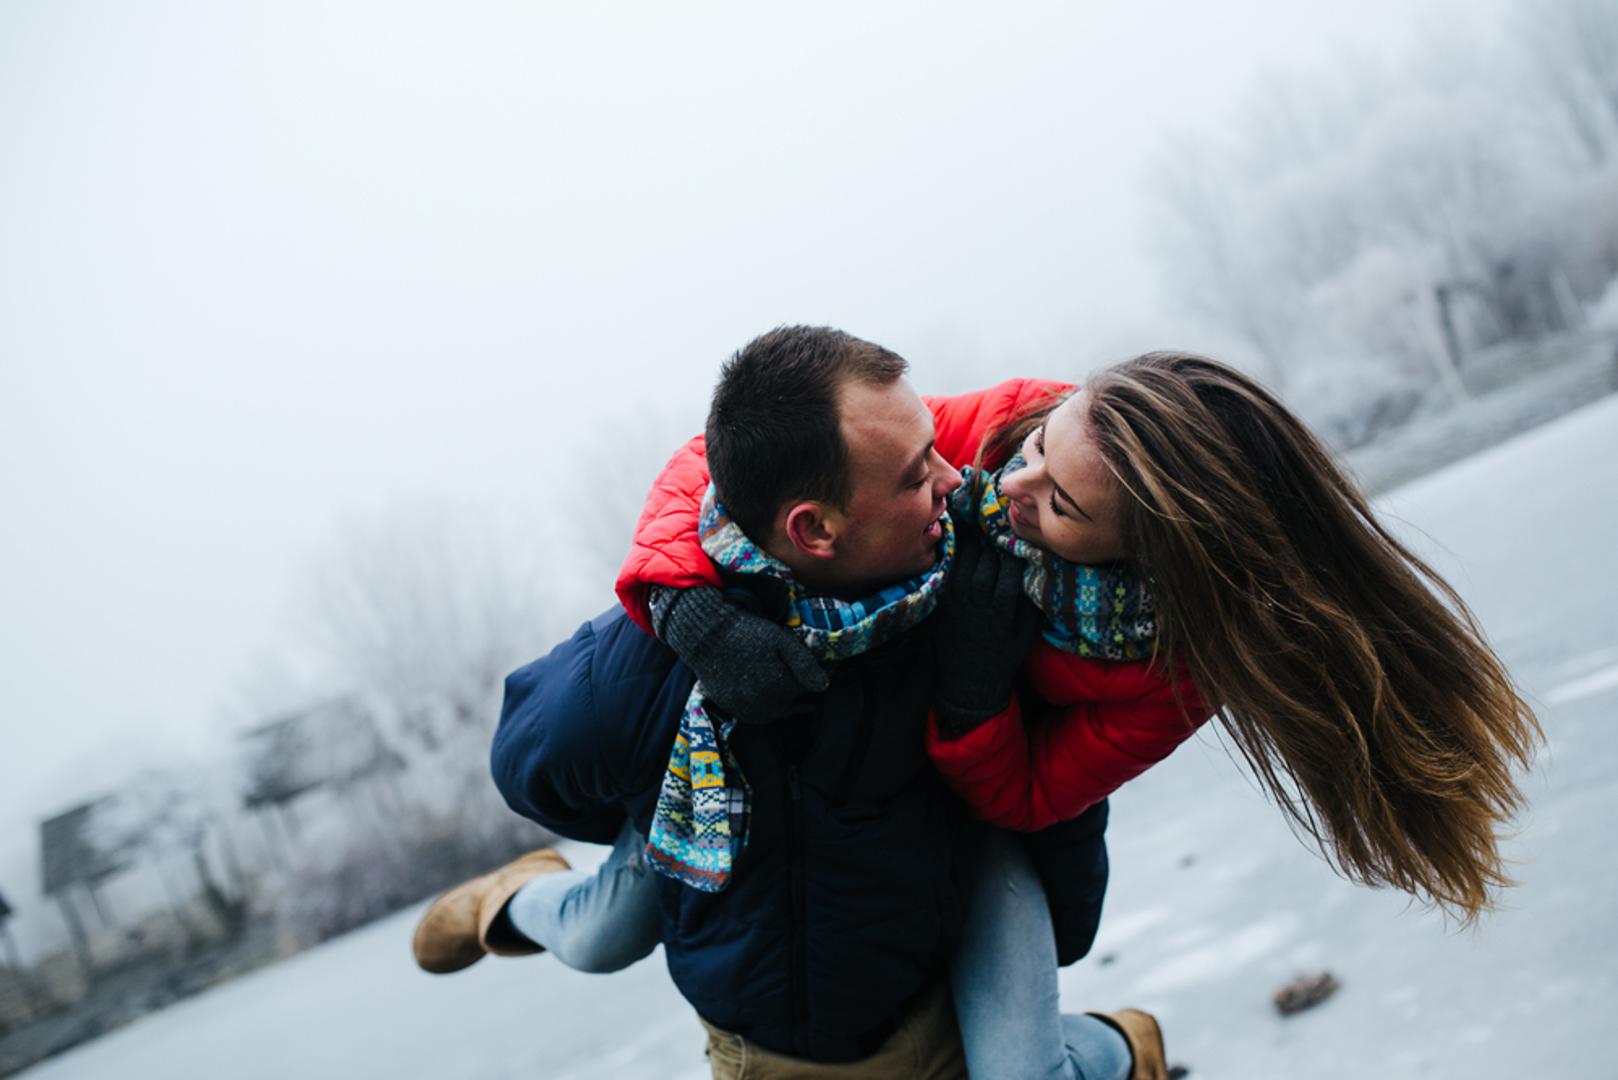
(811,529)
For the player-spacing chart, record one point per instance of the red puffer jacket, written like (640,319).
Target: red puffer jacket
(1091,724)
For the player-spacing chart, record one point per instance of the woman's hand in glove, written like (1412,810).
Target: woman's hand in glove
(984,627)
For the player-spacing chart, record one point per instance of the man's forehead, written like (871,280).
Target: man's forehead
(888,416)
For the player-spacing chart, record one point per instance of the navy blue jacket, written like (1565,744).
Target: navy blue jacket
(846,901)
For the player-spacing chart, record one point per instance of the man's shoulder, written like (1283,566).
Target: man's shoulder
(609,669)
(607,700)
(624,657)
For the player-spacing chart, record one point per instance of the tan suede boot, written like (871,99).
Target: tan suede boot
(1145,1040)
(454,931)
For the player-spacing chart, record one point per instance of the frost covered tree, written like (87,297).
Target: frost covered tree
(164,816)
(406,623)
(1571,50)
(1367,226)
(423,610)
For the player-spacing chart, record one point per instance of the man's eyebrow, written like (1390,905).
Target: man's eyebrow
(917,462)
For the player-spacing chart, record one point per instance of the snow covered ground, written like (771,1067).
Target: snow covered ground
(1213,904)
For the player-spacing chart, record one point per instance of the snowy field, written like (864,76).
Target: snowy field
(1213,904)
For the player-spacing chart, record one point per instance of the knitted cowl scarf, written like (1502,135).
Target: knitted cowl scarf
(700,825)
(1101,611)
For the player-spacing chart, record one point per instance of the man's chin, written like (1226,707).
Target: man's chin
(927,562)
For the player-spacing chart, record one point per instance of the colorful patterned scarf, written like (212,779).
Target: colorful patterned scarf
(703,809)
(1097,611)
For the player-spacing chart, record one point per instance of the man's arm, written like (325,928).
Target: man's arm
(588,728)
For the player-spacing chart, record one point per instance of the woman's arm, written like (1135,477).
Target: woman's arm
(1027,772)
(960,422)
(666,552)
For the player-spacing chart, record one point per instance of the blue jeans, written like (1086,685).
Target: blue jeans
(600,922)
(1004,979)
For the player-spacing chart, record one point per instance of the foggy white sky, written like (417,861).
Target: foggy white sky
(267,265)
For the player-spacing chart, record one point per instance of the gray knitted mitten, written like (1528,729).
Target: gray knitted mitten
(754,669)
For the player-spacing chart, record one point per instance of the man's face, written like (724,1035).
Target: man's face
(890,529)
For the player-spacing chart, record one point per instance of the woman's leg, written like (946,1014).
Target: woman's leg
(1004,980)
(598,922)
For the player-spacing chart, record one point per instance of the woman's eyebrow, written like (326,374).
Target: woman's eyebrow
(1074,502)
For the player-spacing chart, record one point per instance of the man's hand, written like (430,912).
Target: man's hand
(754,669)
(983,628)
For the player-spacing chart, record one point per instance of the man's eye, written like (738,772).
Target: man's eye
(920,483)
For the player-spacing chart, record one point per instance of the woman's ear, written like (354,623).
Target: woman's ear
(811,530)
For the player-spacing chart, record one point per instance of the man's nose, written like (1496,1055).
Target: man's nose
(948,477)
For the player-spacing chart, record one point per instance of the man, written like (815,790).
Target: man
(823,949)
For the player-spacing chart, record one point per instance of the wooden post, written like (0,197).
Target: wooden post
(1568,309)
(272,841)
(95,902)
(75,929)
(1449,371)
(231,858)
(14,958)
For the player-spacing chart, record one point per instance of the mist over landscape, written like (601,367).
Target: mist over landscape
(340,343)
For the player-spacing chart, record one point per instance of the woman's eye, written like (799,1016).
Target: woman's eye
(1039,441)
(1057,510)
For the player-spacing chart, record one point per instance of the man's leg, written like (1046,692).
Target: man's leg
(926,1046)
(600,922)
(459,928)
(1004,979)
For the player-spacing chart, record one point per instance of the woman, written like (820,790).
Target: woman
(1373,712)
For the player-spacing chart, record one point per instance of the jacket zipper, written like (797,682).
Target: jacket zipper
(798,959)
(857,755)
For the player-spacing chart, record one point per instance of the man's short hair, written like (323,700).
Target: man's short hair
(774,431)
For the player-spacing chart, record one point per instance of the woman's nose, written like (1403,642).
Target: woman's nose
(1015,484)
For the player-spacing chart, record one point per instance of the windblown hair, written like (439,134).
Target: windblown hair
(1353,679)
(774,427)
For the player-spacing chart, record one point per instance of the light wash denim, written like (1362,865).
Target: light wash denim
(1004,979)
(600,922)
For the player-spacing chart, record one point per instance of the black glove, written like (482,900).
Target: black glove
(982,630)
(754,669)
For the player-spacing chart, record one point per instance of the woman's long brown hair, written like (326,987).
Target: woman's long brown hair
(1354,680)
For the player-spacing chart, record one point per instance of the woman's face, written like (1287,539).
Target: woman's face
(1064,499)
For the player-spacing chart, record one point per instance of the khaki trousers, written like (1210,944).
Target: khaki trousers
(925,1046)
